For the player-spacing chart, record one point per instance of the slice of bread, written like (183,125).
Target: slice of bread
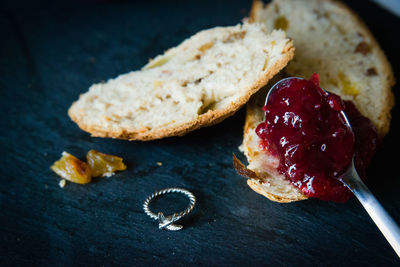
(332,41)
(200,82)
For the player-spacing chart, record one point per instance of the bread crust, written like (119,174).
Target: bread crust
(256,182)
(384,115)
(209,118)
(258,188)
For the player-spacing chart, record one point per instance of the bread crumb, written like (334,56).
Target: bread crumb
(241,148)
(108,174)
(159,163)
(62,183)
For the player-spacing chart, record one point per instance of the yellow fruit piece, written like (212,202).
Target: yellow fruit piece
(103,164)
(281,23)
(265,62)
(348,87)
(72,169)
(158,62)
(157,83)
(205,47)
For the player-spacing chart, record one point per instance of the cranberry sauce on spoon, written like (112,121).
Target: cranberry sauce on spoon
(305,129)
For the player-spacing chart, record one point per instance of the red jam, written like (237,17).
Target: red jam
(304,128)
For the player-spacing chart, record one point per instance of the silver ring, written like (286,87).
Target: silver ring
(167,222)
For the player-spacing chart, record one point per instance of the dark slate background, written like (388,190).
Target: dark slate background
(53,51)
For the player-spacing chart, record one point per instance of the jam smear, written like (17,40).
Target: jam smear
(305,129)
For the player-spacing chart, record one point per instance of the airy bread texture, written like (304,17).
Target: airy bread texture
(200,82)
(332,41)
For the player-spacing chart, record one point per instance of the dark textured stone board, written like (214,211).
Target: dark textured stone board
(51,51)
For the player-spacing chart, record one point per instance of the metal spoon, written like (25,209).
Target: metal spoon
(352,180)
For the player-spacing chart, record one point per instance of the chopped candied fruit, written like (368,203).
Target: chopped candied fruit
(234,36)
(158,62)
(281,23)
(157,83)
(348,87)
(206,46)
(72,169)
(371,72)
(103,164)
(363,48)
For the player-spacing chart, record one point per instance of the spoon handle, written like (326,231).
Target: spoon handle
(379,215)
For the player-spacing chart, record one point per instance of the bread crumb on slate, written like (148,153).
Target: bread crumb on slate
(62,183)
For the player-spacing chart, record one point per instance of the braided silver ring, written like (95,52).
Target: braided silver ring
(167,222)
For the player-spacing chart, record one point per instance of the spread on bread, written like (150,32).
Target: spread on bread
(98,164)
(304,128)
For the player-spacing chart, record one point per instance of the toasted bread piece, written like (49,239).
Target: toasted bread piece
(332,41)
(205,79)
(269,182)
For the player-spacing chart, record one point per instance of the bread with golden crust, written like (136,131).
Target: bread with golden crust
(205,79)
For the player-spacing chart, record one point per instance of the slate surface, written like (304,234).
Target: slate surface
(51,52)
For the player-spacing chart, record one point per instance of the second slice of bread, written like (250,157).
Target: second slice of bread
(332,40)
(198,83)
